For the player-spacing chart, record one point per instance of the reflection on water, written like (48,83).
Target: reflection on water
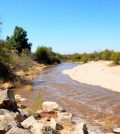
(98,106)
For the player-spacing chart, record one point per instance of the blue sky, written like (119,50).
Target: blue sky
(67,26)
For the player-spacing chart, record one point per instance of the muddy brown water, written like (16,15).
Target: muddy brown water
(98,106)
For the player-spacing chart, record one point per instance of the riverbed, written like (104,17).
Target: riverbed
(96,105)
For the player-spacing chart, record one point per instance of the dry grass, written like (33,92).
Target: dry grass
(110,123)
(18,84)
(36,105)
(29,88)
(31,71)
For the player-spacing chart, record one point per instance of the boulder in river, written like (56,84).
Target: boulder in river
(49,106)
(116,130)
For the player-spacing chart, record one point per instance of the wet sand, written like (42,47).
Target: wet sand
(97,73)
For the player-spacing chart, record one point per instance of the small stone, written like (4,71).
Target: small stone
(59,126)
(49,122)
(25,112)
(48,130)
(20,117)
(20,106)
(36,115)
(80,129)
(16,130)
(49,106)
(28,122)
(116,130)
(64,116)
(1,112)
(36,128)
(19,98)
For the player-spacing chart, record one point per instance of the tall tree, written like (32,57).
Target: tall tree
(19,40)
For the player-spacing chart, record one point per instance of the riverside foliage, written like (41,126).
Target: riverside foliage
(46,55)
(107,55)
(15,54)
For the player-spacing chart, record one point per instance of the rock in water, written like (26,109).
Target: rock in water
(49,106)
(62,116)
(79,129)
(16,130)
(7,100)
(19,98)
(116,130)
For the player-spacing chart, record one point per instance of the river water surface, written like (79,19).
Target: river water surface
(98,106)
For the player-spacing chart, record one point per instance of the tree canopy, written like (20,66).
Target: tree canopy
(46,55)
(19,40)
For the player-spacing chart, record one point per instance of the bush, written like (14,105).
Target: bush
(84,58)
(116,58)
(76,57)
(106,54)
(6,73)
(46,55)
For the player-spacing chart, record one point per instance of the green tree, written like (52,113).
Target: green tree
(76,57)
(42,54)
(19,40)
(106,54)
(116,58)
(84,58)
(46,55)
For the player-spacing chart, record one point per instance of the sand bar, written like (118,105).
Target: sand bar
(97,73)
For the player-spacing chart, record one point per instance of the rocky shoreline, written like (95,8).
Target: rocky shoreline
(15,118)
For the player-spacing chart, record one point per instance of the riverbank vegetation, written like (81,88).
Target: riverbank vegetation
(106,55)
(17,62)
(46,55)
(16,55)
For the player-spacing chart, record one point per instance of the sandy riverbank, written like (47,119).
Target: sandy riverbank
(97,73)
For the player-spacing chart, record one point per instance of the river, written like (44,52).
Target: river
(98,106)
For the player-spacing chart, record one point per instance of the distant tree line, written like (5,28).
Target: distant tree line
(107,55)
(17,45)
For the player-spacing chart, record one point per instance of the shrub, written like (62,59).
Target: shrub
(46,55)
(116,58)
(106,54)
(84,58)
(36,105)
